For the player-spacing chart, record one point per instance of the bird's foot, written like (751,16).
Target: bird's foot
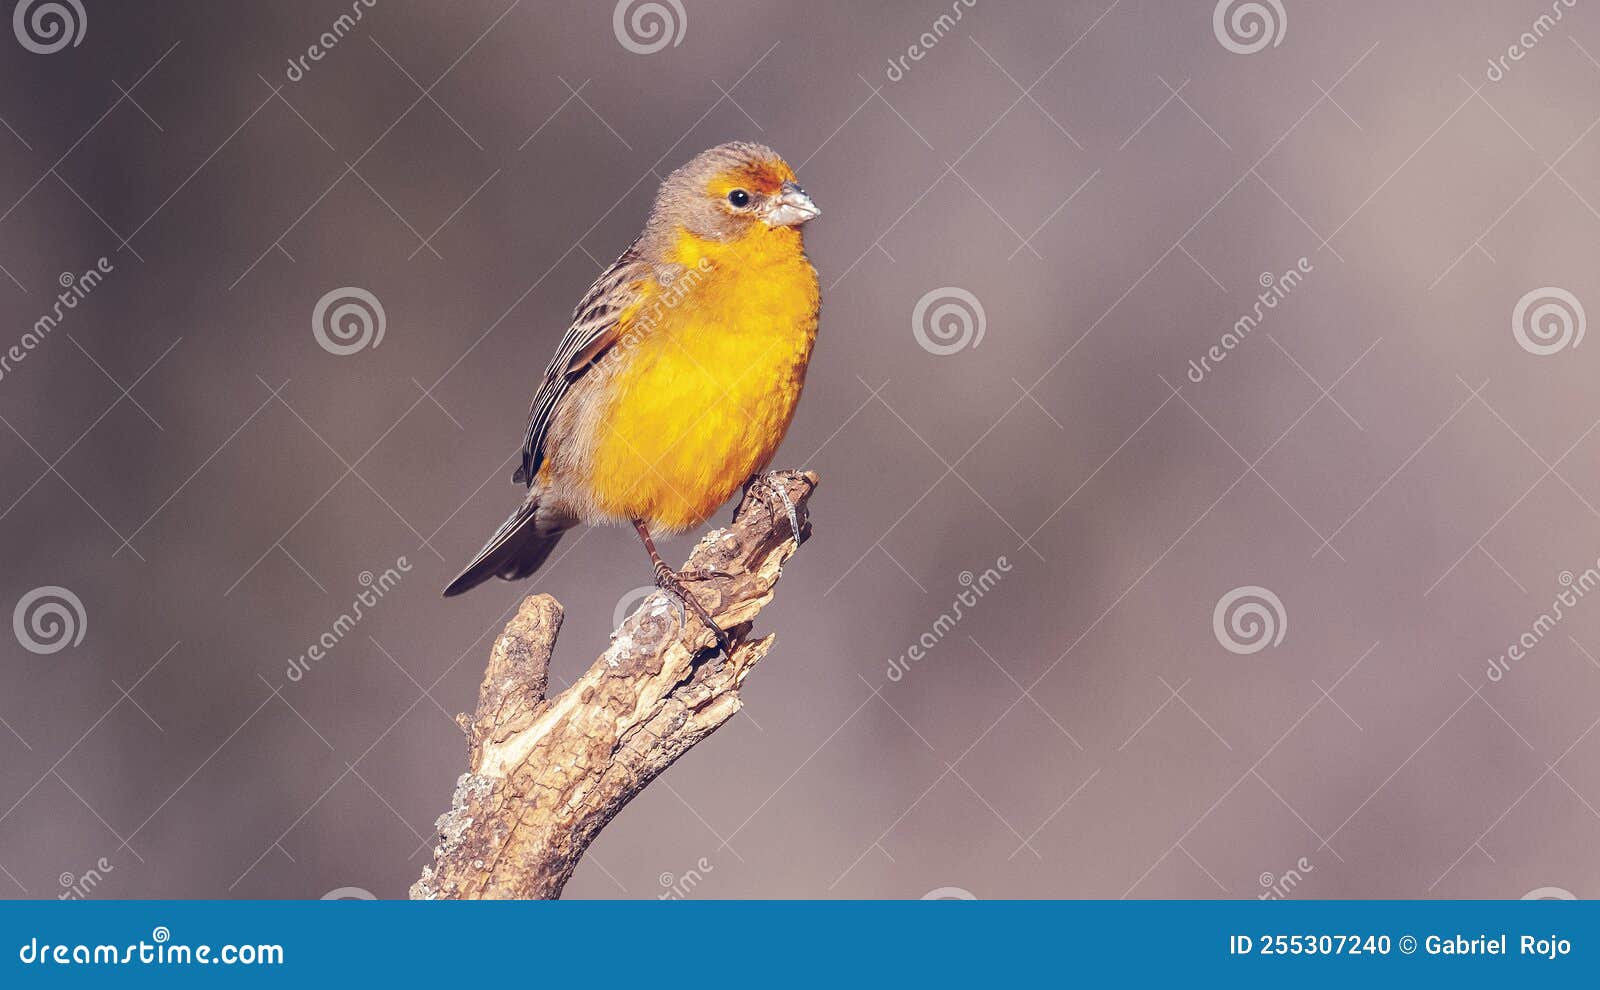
(701,574)
(672,582)
(769,490)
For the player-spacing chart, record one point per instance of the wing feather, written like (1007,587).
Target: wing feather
(597,322)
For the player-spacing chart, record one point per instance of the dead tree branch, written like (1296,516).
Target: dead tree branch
(545,775)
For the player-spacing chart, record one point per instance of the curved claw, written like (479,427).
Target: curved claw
(672,584)
(677,599)
(765,483)
(702,574)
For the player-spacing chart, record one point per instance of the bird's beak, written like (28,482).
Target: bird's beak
(791,208)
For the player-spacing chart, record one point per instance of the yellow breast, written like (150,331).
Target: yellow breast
(705,394)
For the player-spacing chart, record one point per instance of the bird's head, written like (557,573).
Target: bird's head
(732,190)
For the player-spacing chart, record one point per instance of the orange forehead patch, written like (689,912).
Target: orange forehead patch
(765,177)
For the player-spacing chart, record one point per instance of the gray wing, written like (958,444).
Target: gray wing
(596,324)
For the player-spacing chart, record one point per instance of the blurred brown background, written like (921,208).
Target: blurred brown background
(1406,478)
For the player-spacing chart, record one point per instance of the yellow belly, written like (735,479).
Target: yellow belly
(703,400)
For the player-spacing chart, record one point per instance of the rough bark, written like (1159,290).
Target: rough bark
(545,775)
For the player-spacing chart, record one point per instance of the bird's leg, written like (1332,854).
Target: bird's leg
(671,582)
(762,485)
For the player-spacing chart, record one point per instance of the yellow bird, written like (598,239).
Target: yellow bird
(679,375)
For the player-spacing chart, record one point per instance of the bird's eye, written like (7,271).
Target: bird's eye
(739,198)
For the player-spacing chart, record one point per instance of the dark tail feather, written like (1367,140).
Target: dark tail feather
(517,549)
